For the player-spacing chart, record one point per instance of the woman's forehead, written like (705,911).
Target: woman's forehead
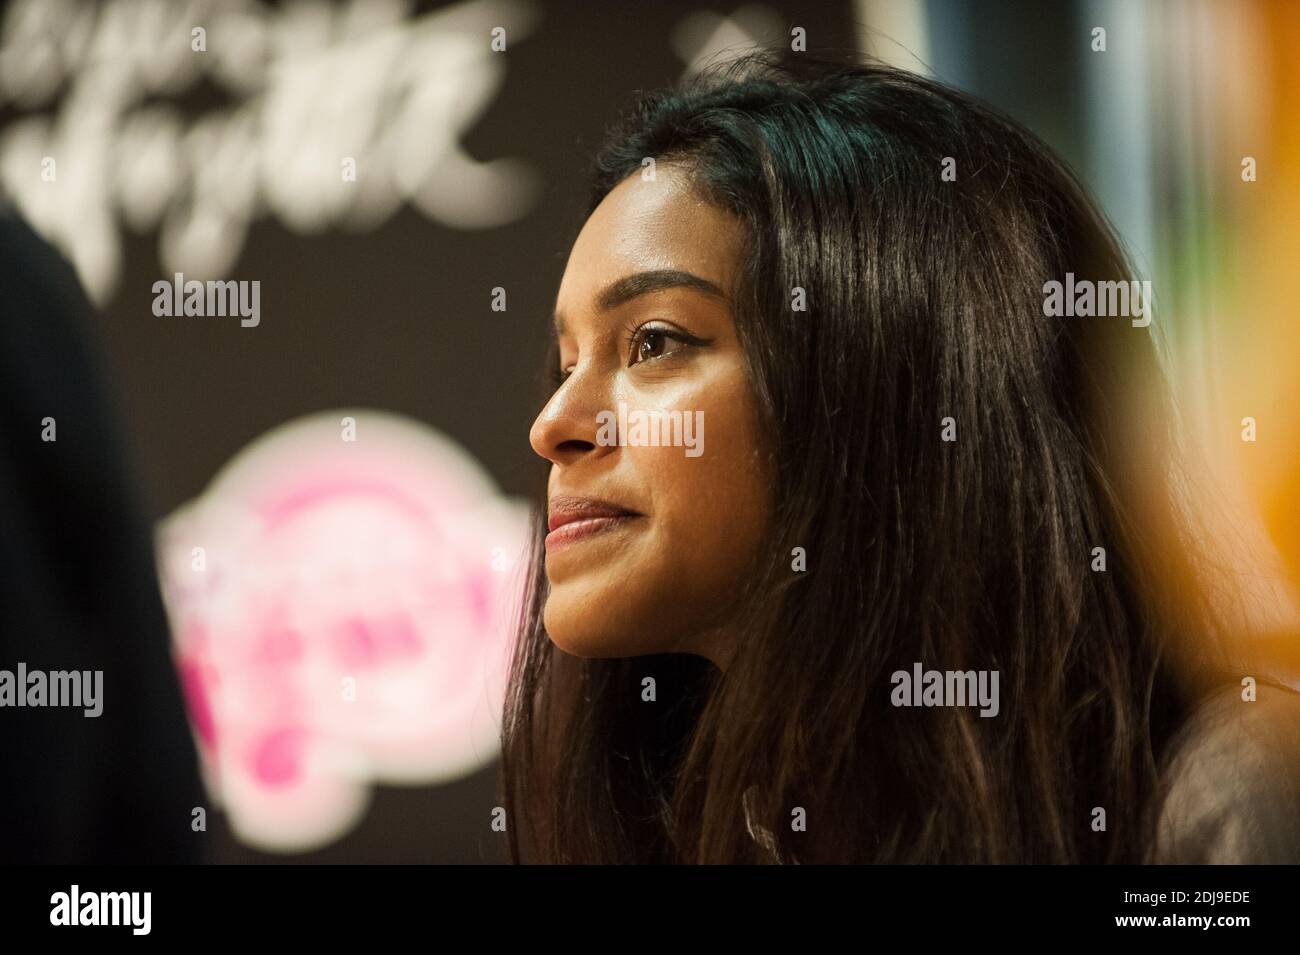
(644,225)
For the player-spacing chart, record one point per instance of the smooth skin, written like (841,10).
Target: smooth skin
(663,581)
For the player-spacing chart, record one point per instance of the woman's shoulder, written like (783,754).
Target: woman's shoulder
(1232,781)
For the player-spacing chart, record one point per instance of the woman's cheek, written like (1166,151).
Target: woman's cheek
(719,493)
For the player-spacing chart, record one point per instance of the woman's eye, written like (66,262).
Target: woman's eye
(650,343)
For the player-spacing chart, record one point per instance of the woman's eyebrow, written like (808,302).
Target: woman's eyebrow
(623,290)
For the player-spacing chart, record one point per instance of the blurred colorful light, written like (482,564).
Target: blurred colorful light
(341,612)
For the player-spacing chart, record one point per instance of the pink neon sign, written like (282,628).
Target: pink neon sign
(342,599)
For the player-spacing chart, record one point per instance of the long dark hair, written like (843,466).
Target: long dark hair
(926,303)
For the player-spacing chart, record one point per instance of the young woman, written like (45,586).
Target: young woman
(851,552)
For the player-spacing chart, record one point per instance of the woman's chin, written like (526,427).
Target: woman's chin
(582,624)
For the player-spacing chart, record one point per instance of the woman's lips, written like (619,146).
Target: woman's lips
(575,519)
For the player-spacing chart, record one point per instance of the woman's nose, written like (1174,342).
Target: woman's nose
(565,430)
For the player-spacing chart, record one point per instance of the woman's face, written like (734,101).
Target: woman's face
(657,498)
